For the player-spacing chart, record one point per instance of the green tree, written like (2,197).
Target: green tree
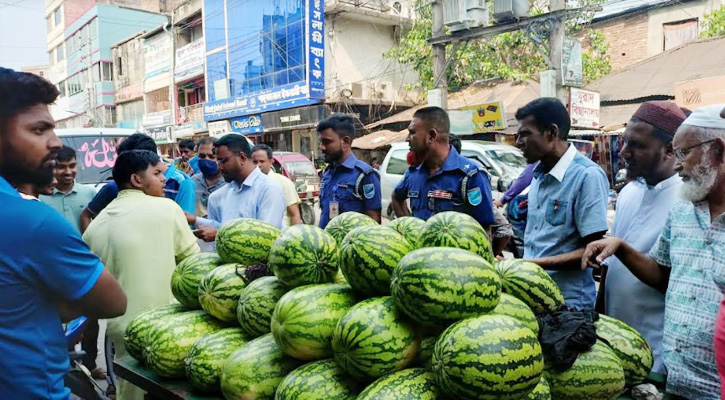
(507,55)
(714,23)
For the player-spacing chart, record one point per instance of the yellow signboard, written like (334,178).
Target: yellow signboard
(488,117)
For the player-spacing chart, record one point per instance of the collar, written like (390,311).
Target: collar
(7,188)
(28,197)
(350,162)
(72,190)
(671,181)
(562,165)
(131,193)
(453,162)
(249,182)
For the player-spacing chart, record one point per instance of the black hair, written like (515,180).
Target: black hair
(547,111)
(137,141)
(66,153)
(264,147)
(435,117)
(455,141)
(236,143)
(186,144)
(205,140)
(661,135)
(132,162)
(20,91)
(342,124)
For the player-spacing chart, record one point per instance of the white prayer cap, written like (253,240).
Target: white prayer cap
(707,117)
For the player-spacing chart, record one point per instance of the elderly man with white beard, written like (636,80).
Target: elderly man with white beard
(688,259)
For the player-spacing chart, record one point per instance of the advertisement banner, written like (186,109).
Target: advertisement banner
(488,117)
(571,62)
(218,128)
(158,118)
(248,124)
(584,108)
(156,55)
(189,61)
(316,48)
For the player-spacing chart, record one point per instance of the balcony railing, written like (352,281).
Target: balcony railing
(194,112)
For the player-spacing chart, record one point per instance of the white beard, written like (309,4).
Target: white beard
(701,181)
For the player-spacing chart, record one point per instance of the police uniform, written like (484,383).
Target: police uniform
(457,186)
(351,186)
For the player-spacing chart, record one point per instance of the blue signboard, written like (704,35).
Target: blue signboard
(316,49)
(248,124)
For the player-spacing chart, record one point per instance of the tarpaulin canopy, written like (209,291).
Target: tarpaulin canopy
(378,139)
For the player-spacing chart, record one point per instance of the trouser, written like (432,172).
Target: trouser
(89,344)
(125,390)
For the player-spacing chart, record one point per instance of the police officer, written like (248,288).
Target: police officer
(440,179)
(348,184)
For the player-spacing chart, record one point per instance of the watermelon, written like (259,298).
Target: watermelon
(305,318)
(513,307)
(425,353)
(488,357)
(629,345)
(134,338)
(409,227)
(339,277)
(408,384)
(541,391)
(373,339)
(368,255)
(188,274)
(317,380)
(245,241)
(255,370)
(531,284)
(256,304)
(339,226)
(204,362)
(172,337)
(436,286)
(595,375)
(459,230)
(219,291)
(304,255)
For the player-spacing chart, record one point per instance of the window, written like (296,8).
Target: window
(49,21)
(93,28)
(61,89)
(679,33)
(109,115)
(51,58)
(76,83)
(398,162)
(107,70)
(119,65)
(56,17)
(59,53)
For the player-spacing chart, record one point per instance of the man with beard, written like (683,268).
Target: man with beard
(642,209)
(249,194)
(47,273)
(348,184)
(688,259)
(440,179)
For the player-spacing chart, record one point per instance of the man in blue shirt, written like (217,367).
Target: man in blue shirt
(179,186)
(47,273)
(567,200)
(348,184)
(442,179)
(248,194)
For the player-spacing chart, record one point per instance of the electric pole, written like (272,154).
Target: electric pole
(440,80)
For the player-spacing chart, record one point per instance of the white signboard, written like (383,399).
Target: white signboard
(219,128)
(571,62)
(159,118)
(584,108)
(156,55)
(189,61)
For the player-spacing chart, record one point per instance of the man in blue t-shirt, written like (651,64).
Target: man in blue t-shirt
(179,186)
(47,273)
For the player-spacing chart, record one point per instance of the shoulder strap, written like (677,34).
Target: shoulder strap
(358,183)
(464,183)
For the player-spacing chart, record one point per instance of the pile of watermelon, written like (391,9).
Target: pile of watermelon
(411,310)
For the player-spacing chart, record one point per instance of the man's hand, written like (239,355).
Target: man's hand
(190,218)
(596,252)
(206,233)
(497,203)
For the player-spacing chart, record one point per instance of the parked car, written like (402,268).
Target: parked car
(503,163)
(301,171)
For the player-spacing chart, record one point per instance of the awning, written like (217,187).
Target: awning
(378,139)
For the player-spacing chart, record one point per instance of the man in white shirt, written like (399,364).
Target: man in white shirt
(262,158)
(642,208)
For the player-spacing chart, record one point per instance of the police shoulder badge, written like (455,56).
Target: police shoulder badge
(474,196)
(369,191)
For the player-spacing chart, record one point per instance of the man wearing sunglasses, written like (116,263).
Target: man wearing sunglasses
(688,259)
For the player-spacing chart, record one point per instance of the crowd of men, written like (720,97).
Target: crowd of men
(67,250)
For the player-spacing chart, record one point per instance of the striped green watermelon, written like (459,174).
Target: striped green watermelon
(219,291)
(425,353)
(595,375)
(255,370)
(315,381)
(135,336)
(256,304)
(513,307)
(204,362)
(459,230)
(368,255)
(629,345)
(409,227)
(172,337)
(339,226)
(373,339)
(303,255)
(531,284)
(408,384)
(339,277)
(436,286)
(305,318)
(188,274)
(489,357)
(245,241)
(541,391)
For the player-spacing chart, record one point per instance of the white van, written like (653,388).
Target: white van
(503,163)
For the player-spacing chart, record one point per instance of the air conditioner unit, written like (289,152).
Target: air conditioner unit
(383,90)
(506,10)
(455,16)
(354,90)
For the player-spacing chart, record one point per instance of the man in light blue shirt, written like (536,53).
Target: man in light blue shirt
(69,198)
(248,194)
(567,200)
(642,208)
